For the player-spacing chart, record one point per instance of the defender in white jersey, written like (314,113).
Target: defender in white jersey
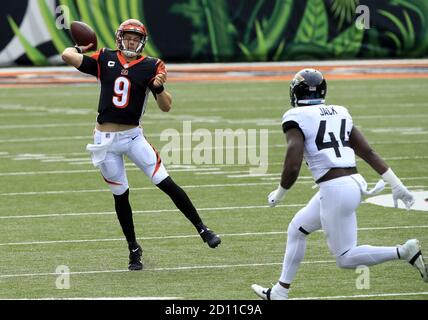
(325,137)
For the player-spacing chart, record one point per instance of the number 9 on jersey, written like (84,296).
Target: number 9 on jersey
(122,88)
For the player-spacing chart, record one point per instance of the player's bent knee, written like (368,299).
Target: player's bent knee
(159,175)
(345,262)
(118,190)
(296,231)
(167,185)
(120,198)
(117,186)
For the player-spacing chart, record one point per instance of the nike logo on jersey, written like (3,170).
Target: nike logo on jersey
(134,250)
(327,111)
(134,137)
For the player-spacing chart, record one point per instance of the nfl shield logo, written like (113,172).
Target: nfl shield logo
(124,72)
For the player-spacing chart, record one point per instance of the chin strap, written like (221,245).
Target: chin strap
(130,53)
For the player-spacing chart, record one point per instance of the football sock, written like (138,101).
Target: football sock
(280,290)
(294,253)
(180,199)
(124,214)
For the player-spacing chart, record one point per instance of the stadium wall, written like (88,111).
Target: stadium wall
(34,32)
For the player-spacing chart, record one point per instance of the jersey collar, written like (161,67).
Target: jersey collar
(125,64)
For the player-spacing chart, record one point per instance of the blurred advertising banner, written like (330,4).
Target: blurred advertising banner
(35,32)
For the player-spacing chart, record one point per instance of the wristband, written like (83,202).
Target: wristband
(78,49)
(390,177)
(158,90)
(280,193)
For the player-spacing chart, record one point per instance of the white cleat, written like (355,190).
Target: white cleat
(267,293)
(411,251)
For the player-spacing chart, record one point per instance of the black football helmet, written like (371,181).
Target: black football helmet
(308,87)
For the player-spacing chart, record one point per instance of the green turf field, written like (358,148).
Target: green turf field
(56,210)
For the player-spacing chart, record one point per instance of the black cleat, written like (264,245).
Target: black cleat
(135,258)
(210,237)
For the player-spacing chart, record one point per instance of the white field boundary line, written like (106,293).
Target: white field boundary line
(90,138)
(263,122)
(375,295)
(130,166)
(7,155)
(44,125)
(73,214)
(243,234)
(13,113)
(57,125)
(251,184)
(221,266)
(134,189)
(76,214)
(101,298)
(258,122)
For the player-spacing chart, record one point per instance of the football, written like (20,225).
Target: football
(82,34)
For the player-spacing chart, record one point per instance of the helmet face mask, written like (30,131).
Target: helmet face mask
(133,27)
(308,87)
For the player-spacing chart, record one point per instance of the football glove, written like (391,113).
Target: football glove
(276,196)
(399,191)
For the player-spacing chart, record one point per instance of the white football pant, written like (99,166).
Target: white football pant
(134,145)
(332,209)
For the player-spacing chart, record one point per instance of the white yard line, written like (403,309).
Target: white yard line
(220,266)
(375,295)
(401,294)
(32,173)
(101,298)
(242,234)
(30,216)
(46,139)
(45,125)
(89,138)
(130,166)
(268,122)
(136,189)
(392,116)
(251,184)
(55,125)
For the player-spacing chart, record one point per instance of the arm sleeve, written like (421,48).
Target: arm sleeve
(89,65)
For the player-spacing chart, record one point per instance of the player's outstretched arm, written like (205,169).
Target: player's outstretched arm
(73,57)
(292,163)
(164,101)
(293,158)
(362,149)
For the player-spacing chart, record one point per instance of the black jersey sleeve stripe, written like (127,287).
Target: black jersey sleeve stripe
(89,65)
(290,125)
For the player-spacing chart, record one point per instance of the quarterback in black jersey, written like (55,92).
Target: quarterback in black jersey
(127,77)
